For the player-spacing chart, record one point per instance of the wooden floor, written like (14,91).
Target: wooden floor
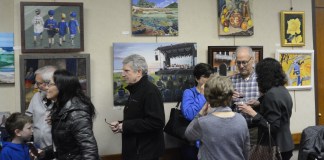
(170,154)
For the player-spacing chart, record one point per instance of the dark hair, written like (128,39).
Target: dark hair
(202,69)
(69,87)
(270,74)
(16,121)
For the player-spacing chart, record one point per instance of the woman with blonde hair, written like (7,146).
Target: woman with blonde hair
(224,134)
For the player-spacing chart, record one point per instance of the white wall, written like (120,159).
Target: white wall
(104,22)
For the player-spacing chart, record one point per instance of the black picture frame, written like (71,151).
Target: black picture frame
(222,58)
(77,64)
(28,12)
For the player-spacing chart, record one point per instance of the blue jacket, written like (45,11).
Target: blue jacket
(12,151)
(192,102)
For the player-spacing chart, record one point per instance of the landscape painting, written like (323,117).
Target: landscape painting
(155,17)
(7,62)
(170,67)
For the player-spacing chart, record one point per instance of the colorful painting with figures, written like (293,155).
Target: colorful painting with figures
(170,67)
(298,66)
(155,17)
(235,18)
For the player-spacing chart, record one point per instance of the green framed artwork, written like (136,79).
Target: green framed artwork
(292,28)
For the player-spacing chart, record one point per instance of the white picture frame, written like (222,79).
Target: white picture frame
(298,66)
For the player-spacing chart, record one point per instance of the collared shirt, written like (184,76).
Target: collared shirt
(248,85)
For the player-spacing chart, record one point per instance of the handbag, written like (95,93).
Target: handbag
(177,124)
(265,152)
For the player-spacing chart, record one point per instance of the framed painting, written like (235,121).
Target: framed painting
(51,27)
(292,28)
(77,64)
(299,68)
(155,18)
(222,58)
(7,58)
(170,68)
(235,18)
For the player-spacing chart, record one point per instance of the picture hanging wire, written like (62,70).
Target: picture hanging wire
(291,5)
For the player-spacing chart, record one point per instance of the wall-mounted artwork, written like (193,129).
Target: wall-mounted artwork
(222,58)
(77,64)
(51,27)
(292,28)
(235,18)
(170,67)
(7,58)
(298,66)
(3,118)
(155,17)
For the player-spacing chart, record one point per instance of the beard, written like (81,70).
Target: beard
(42,94)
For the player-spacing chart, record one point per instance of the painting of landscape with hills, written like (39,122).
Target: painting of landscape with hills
(155,17)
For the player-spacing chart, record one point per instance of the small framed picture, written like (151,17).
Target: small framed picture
(299,68)
(222,58)
(292,28)
(77,64)
(51,27)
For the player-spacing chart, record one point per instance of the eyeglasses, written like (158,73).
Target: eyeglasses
(244,63)
(50,84)
(40,83)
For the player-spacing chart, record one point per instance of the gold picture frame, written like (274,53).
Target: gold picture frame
(292,28)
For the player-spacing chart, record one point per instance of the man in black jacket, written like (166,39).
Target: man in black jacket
(142,127)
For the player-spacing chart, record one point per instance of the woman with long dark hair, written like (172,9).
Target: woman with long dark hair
(276,106)
(71,118)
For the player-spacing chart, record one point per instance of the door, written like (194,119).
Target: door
(319,41)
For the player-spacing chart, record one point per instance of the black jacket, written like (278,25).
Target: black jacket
(276,109)
(72,132)
(143,123)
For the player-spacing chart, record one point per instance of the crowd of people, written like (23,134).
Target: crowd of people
(227,115)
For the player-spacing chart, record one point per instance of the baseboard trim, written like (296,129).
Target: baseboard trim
(296,138)
(170,154)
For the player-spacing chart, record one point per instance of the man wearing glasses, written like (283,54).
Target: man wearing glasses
(245,84)
(39,107)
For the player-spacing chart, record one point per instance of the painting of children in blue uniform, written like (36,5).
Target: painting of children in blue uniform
(297,72)
(73,27)
(63,29)
(51,27)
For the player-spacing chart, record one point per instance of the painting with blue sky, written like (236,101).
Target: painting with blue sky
(155,17)
(7,67)
(170,67)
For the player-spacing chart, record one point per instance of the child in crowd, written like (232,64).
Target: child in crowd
(20,129)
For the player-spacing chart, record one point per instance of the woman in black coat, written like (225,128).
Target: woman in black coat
(71,119)
(276,106)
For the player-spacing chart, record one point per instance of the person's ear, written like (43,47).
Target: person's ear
(17,132)
(140,71)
